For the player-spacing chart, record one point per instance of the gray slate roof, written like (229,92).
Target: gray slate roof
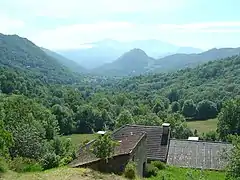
(155,150)
(198,154)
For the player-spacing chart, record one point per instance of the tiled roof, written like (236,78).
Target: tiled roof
(198,154)
(127,143)
(155,150)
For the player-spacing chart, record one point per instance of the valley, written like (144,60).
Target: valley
(59,106)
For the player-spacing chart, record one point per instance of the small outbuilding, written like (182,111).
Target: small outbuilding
(132,147)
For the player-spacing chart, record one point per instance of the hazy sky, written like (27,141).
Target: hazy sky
(60,24)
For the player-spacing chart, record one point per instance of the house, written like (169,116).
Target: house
(132,147)
(198,154)
(140,144)
(157,139)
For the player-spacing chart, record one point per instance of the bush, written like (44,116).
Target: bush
(50,160)
(151,170)
(66,160)
(130,171)
(158,164)
(3,166)
(20,164)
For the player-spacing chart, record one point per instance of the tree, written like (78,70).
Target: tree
(189,108)
(85,119)
(104,103)
(64,115)
(175,107)
(206,109)
(174,95)
(125,117)
(210,136)
(179,128)
(107,119)
(5,140)
(103,147)
(229,119)
(159,106)
(233,172)
(30,125)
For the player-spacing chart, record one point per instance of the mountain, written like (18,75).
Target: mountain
(137,62)
(21,54)
(134,62)
(72,65)
(180,61)
(216,81)
(106,51)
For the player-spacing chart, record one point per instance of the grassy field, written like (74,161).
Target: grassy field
(203,126)
(77,139)
(174,173)
(63,173)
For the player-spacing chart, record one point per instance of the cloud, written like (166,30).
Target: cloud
(208,27)
(9,25)
(80,8)
(74,36)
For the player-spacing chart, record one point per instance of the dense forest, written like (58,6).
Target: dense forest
(41,100)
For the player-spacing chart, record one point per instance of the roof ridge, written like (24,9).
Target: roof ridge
(116,130)
(220,142)
(139,125)
(144,134)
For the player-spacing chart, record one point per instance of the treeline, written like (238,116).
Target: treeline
(38,106)
(197,93)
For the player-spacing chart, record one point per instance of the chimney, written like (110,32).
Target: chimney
(165,133)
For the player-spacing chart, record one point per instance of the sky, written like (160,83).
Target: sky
(68,24)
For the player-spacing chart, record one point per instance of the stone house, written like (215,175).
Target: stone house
(132,147)
(140,144)
(157,139)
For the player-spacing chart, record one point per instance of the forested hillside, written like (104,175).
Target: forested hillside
(72,65)
(131,63)
(41,100)
(180,61)
(21,54)
(215,81)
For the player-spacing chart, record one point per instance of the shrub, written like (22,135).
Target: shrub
(66,160)
(151,170)
(158,164)
(32,168)
(20,164)
(3,166)
(50,160)
(130,171)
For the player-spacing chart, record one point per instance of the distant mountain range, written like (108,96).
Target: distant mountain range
(72,65)
(137,62)
(20,53)
(108,50)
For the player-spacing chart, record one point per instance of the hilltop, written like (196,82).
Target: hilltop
(180,61)
(133,62)
(22,55)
